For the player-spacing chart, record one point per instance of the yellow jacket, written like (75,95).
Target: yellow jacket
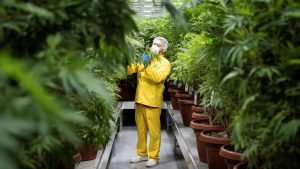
(151,81)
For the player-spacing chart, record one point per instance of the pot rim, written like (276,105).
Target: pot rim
(207,127)
(225,152)
(195,123)
(199,116)
(184,95)
(239,164)
(197,109)
(181,101)
(214,140)
(174,90)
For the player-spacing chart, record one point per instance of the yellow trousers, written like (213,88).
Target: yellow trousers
(147,118)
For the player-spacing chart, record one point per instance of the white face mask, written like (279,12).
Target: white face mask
(155,50)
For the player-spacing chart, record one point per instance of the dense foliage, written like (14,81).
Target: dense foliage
(260,71)
(56,84)
(149,28)
(243,58)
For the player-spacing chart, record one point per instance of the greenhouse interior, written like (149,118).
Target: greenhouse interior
(135,84)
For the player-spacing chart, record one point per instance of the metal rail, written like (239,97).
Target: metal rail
(182,144)
(172,123)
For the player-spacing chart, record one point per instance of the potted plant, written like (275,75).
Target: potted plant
(97,131)
(185,102)
(200,125)
(37,75)
(186,70)
(174,102)
(198,113)
(231,156)
(261,79)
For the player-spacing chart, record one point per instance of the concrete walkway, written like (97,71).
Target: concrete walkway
(125,149)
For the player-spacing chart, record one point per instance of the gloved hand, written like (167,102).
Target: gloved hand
(146,58)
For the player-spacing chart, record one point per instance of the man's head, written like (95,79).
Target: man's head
(161,43)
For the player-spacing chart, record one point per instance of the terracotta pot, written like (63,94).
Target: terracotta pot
(198,113)
(204,125)
(77,157)
(197,109)
(199,116)
(166,94)
(185,111)
(212,146)
(199,126)
(231,157)
(200,145)
(172,92)
(184,96)
(88,152)
(125,92)
(241,165)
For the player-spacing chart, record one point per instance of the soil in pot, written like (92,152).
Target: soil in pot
(231,157)
(213,141)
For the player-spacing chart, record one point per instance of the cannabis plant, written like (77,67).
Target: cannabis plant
(260,68)
(49,88)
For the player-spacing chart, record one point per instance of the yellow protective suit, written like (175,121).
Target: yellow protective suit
(149,101)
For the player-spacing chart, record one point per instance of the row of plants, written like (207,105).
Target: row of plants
(57,89)
(242,59)
(61,63)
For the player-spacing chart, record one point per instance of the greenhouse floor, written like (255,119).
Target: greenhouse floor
(178,145)
(125,149)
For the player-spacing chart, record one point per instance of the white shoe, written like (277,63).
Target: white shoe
(151,163)
(138,159)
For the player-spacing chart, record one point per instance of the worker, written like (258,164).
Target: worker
(148,101)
